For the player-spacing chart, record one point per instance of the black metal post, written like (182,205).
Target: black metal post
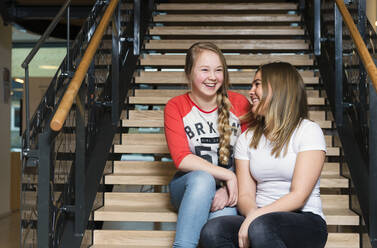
(372,166)
(363,86)
(115,66)
(44,189)
(137,19)
(338,67)
(317,27)
(27,110)
(80,164)
(68,62)
(302,5)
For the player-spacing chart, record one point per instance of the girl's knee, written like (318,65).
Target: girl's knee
(261,230)
(201,180)
(209,236)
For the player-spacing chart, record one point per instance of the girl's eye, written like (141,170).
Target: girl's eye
(204,69)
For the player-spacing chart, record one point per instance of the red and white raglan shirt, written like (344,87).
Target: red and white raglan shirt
(191,130)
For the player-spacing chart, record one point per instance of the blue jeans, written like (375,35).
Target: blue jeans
(274,230)
(192,194)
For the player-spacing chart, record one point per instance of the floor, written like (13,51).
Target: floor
(10,231)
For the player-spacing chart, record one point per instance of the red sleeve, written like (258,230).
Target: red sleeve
(240,106)
(174,131)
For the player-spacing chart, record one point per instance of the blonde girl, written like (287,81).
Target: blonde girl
(278,163)
(201,128)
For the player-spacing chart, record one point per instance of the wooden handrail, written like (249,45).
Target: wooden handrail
(360,45)
(75,84)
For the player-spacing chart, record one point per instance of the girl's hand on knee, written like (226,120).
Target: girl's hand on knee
(220,200)
(231,185)
(243,238)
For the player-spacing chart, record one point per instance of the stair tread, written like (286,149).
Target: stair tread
(161,100)
(160,200)
(163,149)
(176,92)
(327,181)
(272,44)
(164,239)
(227,6)
(167,214)
(232,60)
(236,77)
(220,18)
(151,115)
(164,168)
(226,30)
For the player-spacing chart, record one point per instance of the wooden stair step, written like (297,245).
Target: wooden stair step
(221,18)
(162,100)
(162,200)
(315,115)
(154,118)
(159,139)
(327,181)
(122,238)
(340,217)
(226,6)
(164,239)
(232,60)
(231,44)
(160,123)
(163,149)
(144,167)
(156,207)
(149,168)
(236,77)
(175,92)
(226,30)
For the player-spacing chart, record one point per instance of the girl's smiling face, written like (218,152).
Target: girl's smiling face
(207,75)
(256,95)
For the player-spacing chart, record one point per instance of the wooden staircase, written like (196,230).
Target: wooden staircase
(138,212)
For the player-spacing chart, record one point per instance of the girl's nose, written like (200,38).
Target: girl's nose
(252,90)
(212,75)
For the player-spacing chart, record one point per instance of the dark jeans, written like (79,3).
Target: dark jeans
(273,230)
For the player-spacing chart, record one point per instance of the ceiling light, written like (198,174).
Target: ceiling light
(19,80)
(48,67)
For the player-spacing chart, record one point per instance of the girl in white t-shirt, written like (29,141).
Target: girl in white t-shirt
(278,164)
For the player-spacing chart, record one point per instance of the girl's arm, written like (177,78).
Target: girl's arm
(246,188)
(192,162)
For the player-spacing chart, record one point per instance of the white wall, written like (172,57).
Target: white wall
(5,61)
(372,12)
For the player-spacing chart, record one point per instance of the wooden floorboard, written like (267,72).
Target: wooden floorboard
(226,31)
(226,6)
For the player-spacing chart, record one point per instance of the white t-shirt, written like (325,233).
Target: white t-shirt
(274,175)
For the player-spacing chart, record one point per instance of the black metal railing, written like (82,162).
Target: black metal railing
(351,94)
(62,171)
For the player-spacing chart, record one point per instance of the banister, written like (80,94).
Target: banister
(46,34)
(360,45)
(75,84)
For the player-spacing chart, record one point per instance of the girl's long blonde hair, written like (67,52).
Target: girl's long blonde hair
(222,100)
(284,112)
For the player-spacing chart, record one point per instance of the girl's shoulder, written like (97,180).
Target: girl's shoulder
(235,96)
(309,136)
(240,104)
(179,104)
(307,125)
